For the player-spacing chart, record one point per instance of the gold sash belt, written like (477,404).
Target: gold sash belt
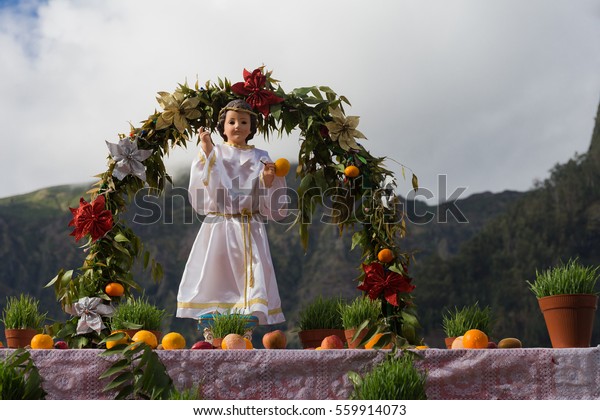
(245,217)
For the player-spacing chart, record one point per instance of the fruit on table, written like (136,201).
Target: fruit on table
(173,341)
(62,345)
(233,342)
(274,340)
(492,345)
(249,345)
(202,345)
(114,289)
(374,340)
(332,342)
(458,343)
(123,340)
(145,336)
(282,167)
(42,341)
(475,339)
(510,343)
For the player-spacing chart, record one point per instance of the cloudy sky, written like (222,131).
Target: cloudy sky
(491,94)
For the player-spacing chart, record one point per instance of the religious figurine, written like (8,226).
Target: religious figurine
(234,186)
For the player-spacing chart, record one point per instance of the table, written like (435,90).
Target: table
(532,373)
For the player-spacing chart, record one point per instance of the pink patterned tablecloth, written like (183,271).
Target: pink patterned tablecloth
(534,373)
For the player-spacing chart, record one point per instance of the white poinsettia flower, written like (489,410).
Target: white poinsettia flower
(343,129)
(388,195)
(128,158)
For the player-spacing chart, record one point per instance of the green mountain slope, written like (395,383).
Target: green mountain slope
(557,220)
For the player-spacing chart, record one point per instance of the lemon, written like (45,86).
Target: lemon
(145,336)
(173,341)
(124,340)
(42,341)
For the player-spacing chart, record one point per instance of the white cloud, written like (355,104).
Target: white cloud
(491,93)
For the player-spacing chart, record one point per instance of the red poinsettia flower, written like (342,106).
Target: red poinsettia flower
(91,218)
(253,89)
(379,281)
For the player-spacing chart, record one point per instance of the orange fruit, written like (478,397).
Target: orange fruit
(351,171)
(373,341)
(233,342)
(145,336)
(475,339)
(1,345)
(42,341)
(173,341)
(112,343)
(249,345)
(114,289)
(421,347)
(386,255)
(282,167)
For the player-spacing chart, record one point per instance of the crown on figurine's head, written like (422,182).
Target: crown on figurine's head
(238,105)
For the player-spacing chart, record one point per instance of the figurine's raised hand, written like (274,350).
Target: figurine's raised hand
(205,140)
(268,173)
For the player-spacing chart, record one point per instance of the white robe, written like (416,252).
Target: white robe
(229,267)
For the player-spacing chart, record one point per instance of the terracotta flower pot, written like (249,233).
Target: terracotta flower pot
(313,338)
(350,333)
(19,338)
(569,319)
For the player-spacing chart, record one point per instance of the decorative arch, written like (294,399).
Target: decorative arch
(334,169)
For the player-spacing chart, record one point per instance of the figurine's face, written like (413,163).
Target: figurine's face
(237,127)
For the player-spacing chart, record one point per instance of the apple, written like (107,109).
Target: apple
(492,345)
(61,345)
(202,345)
(274,340)
(332,342)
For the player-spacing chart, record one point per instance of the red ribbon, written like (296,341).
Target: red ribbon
(253,89)
(379,281)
